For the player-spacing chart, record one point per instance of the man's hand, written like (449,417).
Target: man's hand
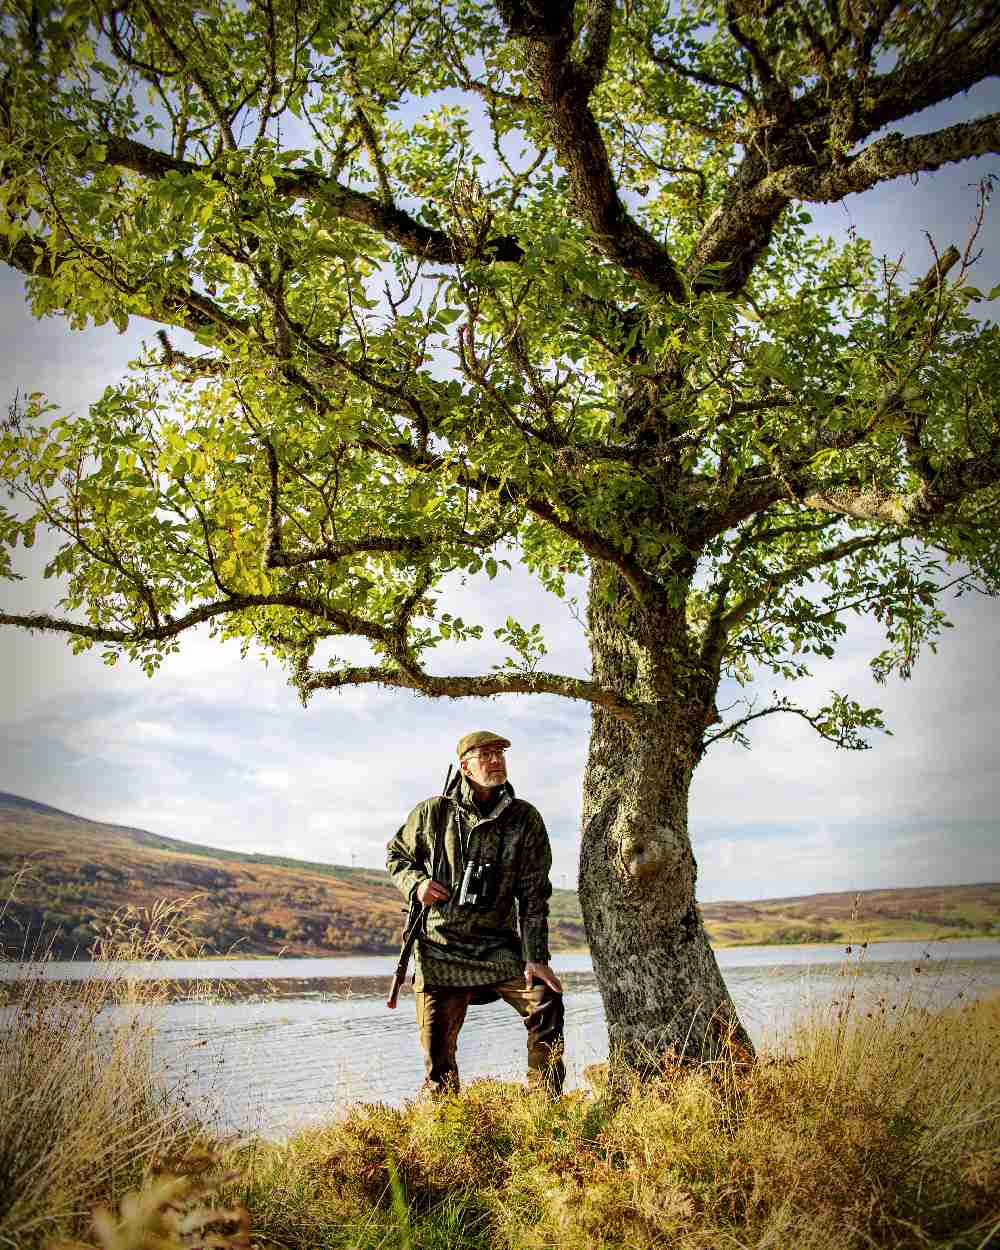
(429,892)
(544,973)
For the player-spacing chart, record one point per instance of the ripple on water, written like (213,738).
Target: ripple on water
(272,1064)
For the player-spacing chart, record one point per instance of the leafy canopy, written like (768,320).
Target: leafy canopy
(436,282)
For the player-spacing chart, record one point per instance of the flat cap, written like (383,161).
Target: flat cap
(481,738)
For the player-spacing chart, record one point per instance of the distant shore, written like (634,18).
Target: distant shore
(193,979)
(862,937)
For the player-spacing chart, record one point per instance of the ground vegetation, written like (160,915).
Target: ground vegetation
(874,1124)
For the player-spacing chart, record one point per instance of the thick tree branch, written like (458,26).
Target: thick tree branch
(947,486)
(486,686)
(739,231)
(192,367)
(564,90)
(956,64)
(798,148)
(636,578)
(933,279)
(409,676)
(329,196)
(597,43)
(931,501)
(341,622)
(889,157)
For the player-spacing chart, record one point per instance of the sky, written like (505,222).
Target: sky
(217,749)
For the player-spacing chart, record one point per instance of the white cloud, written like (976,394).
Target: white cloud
(272,779)
(768,866)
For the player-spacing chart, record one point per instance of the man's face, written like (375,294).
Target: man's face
(486,766)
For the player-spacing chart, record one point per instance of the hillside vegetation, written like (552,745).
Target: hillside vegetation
(914,914)
(81,872)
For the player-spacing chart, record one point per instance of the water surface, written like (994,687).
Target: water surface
(269,1064)
(273,1065)
(349,966)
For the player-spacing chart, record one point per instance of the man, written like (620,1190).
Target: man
(478,835)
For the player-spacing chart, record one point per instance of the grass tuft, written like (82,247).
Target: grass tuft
(171,1211)
(84,1115)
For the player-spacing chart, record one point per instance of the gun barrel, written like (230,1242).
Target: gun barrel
(409,941)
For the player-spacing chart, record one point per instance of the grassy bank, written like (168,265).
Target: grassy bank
(881,1131)
(874,1129)
(794,933)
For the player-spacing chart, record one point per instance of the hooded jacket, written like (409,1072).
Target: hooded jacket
(462,945)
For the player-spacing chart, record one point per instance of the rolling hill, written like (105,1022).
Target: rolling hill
(79,872)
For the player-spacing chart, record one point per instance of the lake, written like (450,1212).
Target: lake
(272,1061)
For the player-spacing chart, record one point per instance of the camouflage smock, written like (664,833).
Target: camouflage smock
(461,946)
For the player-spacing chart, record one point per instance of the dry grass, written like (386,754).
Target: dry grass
(84,1116)
(171,1212)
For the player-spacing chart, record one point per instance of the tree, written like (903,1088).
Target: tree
(439,282)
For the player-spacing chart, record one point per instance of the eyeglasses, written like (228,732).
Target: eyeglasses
(487,753)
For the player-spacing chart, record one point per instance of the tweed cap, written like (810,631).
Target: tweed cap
(481,738)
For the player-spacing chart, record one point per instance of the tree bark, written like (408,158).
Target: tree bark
(662,990)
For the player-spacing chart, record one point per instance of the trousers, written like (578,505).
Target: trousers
(441,1013)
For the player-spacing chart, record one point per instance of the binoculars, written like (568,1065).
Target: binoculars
(479,886)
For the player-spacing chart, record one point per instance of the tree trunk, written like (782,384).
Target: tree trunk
(662,989)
